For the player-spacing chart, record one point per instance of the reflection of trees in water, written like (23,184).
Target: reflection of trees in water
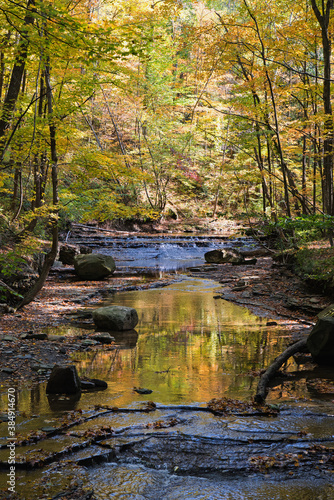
(209,347)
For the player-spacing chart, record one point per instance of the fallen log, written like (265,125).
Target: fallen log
(261,392)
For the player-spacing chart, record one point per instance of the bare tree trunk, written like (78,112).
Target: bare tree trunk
(215,206)
(50,257)
(261,392)
(17,74)
(324,23)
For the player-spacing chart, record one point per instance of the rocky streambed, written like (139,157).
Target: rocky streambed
(191,346)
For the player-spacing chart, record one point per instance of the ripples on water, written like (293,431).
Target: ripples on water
(187,348)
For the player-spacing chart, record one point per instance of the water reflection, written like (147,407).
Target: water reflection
(62,403)
(189,347)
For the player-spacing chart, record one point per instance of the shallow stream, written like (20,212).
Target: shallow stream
(188,348)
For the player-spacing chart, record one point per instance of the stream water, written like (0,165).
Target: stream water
(187,349)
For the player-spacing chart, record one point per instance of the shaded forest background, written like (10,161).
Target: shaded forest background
(148,109)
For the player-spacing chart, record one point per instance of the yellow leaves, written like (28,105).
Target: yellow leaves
(102,205)
(5,178)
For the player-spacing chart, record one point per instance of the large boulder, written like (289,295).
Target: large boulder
(94,266)
(67,254)
(19,281)
(115,318)
(320,341)
(224,255)
(63,380)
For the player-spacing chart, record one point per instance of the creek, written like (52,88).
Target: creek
(188,348)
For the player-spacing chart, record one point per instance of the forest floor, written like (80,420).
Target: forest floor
(269,289)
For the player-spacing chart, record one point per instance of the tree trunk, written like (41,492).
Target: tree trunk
(323,20)
(261,392)
(17,74)
(50,257)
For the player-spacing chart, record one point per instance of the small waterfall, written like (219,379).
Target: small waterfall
(163,252)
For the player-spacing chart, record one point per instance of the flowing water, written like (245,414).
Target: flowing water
(188,348)
(164,253)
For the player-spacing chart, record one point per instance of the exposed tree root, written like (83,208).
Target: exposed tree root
(261,392)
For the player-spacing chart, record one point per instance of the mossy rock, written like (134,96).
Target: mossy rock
(115,318)
(94,266)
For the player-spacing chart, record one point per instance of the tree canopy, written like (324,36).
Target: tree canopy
(121,109)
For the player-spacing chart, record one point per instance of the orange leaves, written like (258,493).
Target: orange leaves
(316,453)
(227,406)
(162,424)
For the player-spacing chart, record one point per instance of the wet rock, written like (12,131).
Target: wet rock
(142,390)
(80,315)
(8,338)
(94,266)
(56,338)
(89,342)
(320,341)
(104,338)
(44,368)
(93,384)
(305,305)
(115,318)
(63,380)
(34,336)
(258,291)
(7,370)
(223,255)
(87,384)
(99,383)
(49,430)
(67,254)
